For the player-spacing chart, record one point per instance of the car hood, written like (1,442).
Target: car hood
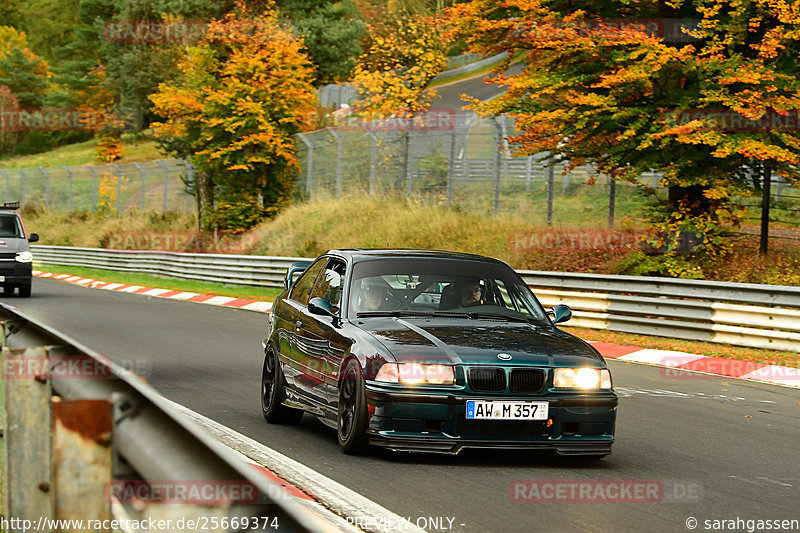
(476,341)
(12,245)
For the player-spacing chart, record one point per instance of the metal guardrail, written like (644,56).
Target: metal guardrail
(742,314)
(79,432)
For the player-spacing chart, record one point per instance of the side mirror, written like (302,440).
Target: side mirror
(561,313)
(33,237)
(320,306)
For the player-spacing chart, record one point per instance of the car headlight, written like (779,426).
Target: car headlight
(582,378)
(416,374)
(24,257)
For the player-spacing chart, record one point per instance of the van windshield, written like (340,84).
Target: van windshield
(10,226)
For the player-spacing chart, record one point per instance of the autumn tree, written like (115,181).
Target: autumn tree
(244,92)
(601,85)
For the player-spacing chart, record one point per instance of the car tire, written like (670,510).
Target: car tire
(352,419)
(25,291)
(272,393)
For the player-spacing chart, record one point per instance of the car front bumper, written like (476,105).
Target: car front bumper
(434,421)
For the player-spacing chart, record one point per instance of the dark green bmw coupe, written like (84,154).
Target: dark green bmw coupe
(431,351)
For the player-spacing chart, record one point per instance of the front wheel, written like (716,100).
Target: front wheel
(272,392)
(352,410)
(25,291)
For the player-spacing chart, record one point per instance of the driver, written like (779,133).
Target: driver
(469,293)
(373,294)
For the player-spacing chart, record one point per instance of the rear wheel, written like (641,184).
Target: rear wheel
(352,410)
(272,393)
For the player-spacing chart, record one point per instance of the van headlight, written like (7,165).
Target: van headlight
(24,257)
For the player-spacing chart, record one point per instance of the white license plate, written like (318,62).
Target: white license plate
(502,410)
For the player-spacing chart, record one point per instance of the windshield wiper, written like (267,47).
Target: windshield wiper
(364,314)
(496,316)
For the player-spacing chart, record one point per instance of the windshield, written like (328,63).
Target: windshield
(441,286)
(9,226)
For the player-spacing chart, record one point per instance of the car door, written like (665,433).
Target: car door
(322,348)
(288,322)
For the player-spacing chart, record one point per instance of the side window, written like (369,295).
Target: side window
(329,284)
(302,287)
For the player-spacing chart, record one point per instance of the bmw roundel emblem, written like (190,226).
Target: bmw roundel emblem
(503,356)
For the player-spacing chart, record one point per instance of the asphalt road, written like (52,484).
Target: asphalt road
(731,444)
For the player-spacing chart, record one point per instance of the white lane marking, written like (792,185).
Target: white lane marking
(184,295)
(264,307)
(130,288)
(626,392)
(156,292)
(761,480)
(219,300)
(336,497)
(661,357)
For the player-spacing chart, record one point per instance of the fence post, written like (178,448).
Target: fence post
(339,157)
(497,162)
(24,186)
(94,186)
(550,183)
(166,180)
(46,186)
(528,169)
(189,180)
(309,162)
(27,436)
(373,155)
(144,176)
(69,197)
(119,184)
(451,168)
(612,197)
(8,190)
(407,159)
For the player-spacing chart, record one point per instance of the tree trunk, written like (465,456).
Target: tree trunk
(204,186)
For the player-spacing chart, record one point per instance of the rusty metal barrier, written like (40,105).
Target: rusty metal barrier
(88,441)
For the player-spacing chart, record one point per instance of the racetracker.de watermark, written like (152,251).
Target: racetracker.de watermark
(54,366)
(434,119)
(707,368)
(66,119)
(181,241)
(668,30)
(576,240)
(604,491)
(728,120)
(189,492)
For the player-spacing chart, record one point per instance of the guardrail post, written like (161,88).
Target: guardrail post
(27,434)
(69,197)
(82,459)
(166,179)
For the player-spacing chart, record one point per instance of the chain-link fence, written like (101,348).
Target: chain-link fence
(459,159)
(148,186)
(465,162)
